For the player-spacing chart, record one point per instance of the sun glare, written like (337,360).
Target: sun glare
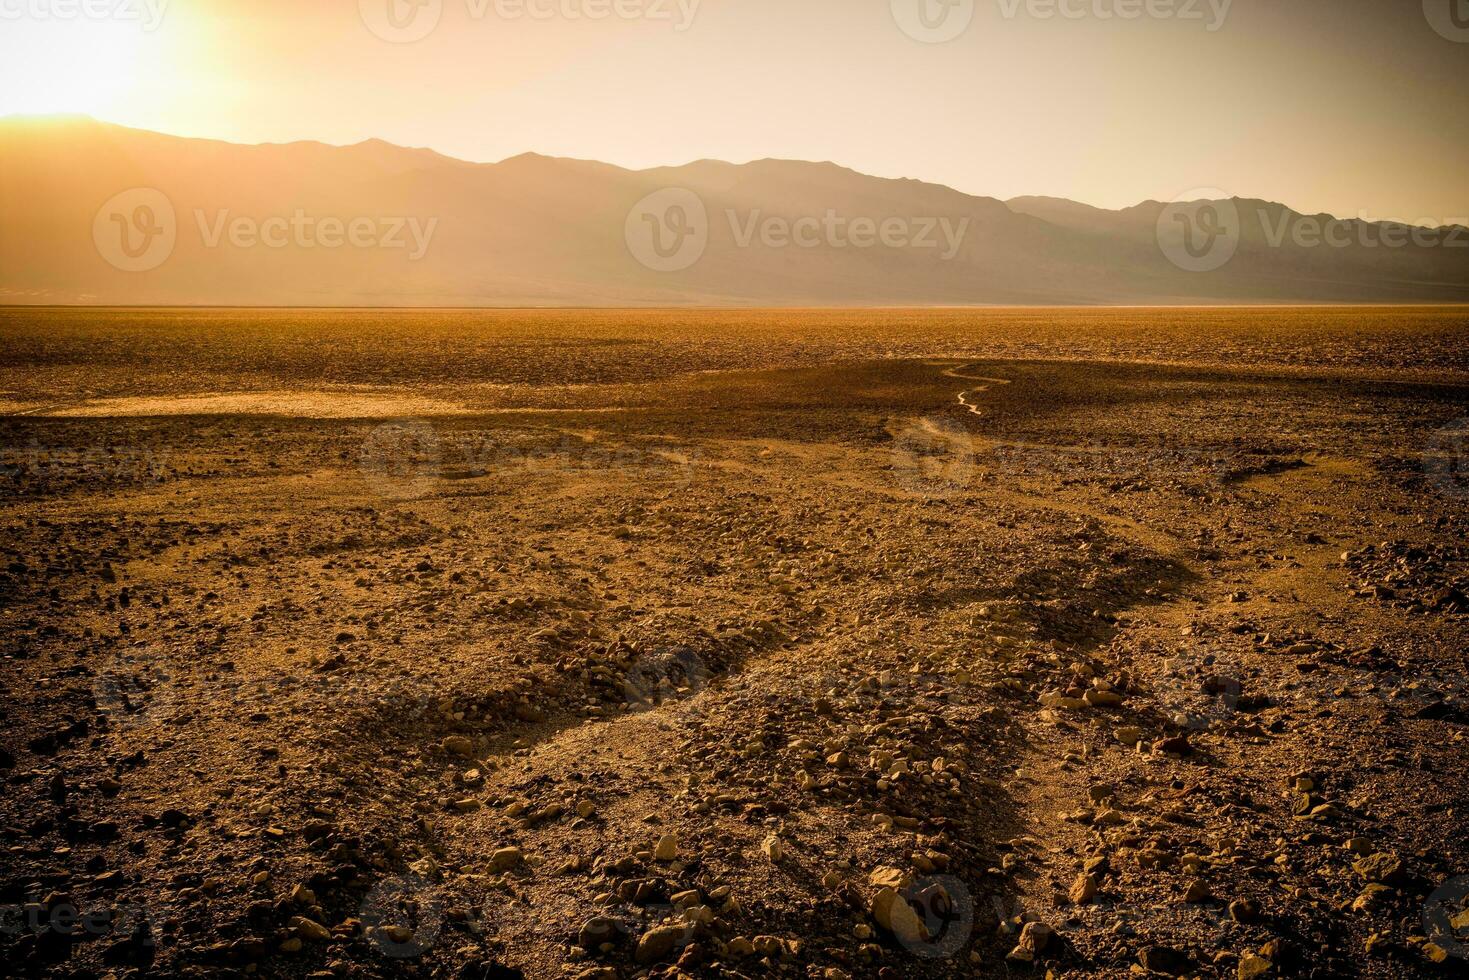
(82,66)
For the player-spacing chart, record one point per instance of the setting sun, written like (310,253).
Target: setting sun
(722,489)
(87,66)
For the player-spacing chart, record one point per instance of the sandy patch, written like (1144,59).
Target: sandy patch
(300,404)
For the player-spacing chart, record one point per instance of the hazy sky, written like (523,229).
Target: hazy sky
(1346,106)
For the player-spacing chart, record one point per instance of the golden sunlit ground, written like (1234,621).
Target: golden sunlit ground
(607,644)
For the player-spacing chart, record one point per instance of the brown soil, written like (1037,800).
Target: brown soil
(309,618)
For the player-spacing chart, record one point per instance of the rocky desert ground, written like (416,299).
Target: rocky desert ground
(892,644)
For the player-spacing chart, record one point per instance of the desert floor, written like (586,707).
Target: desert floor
(804,644)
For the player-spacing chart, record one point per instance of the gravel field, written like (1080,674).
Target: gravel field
(734,644)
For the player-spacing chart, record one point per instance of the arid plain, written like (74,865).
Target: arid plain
(768,643)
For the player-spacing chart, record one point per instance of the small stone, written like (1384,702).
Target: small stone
(1243,910)
(458,745)
(769,946)
(599,931)
(656,944)
(1177,745)
(1326,813)
(893,878)
(506,858)
(1383,867)
(1020,955)
(1252,966)
(667,849)
(1371,898)
(1059,701)
(895,915)
(1084,890)
(1197,893)
(1164,959)
(773,850)
(739,948)
(1035,937)
(310,930)
(585,809)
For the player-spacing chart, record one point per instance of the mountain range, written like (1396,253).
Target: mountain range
(94,213)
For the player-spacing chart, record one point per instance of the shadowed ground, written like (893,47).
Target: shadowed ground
(1145,625)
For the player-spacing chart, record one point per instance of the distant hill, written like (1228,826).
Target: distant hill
(536,230)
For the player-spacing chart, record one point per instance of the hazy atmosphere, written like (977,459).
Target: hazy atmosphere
(734,489)
(1351,107)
